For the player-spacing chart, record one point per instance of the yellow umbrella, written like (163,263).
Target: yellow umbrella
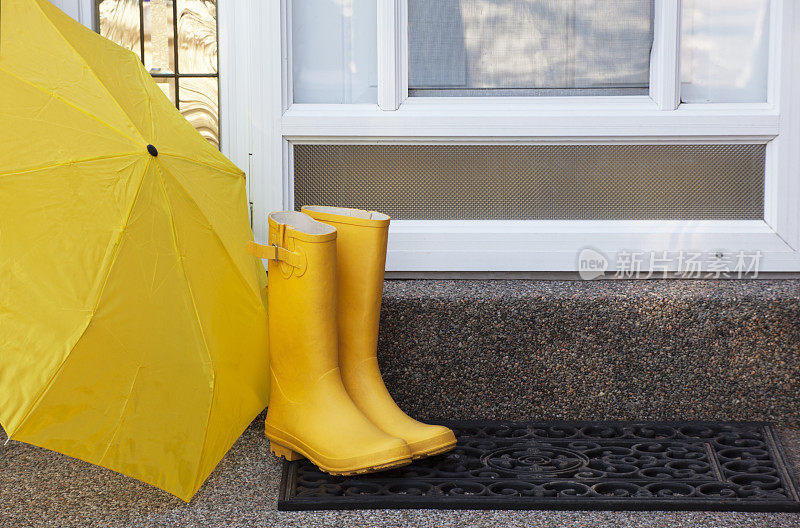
(132,321)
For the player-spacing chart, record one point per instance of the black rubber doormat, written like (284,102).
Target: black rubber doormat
(571,466)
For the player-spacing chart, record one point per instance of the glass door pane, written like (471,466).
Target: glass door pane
(159,36)
(119,21)
(178,44)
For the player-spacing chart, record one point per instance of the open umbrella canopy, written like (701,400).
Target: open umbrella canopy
(132,320)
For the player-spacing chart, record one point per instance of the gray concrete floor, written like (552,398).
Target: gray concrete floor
(42,488)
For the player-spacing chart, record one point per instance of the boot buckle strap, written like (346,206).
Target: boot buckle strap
(276,253)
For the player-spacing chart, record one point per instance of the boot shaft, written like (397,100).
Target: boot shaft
(301,301)
(361,259)
(360,263)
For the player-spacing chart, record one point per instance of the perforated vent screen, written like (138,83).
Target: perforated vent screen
(550,182)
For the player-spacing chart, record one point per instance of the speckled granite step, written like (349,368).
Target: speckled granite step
(516,349)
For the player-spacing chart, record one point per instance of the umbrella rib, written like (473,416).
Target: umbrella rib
(74,162)
(180,261)
(102,288)
(89,68)
(158,168)
(165,169)
(227,251)
(121,416)
(239,173)
(76,107)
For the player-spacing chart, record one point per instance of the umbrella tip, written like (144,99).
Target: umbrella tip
(152,150)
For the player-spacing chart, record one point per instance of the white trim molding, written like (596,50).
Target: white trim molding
(783,171)
(556,245)
(235,82)
(540,119)
(665,82)
(268,66)
(392,29)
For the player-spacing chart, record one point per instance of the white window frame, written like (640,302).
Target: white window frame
(260,124)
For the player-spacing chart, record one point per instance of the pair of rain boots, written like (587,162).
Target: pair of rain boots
(328,402)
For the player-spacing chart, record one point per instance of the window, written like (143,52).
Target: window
(334,51)
(177,41)
(724,51)
(533,47)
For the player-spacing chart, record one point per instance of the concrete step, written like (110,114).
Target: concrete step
(632,350)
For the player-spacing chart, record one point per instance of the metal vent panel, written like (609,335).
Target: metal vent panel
(536,182)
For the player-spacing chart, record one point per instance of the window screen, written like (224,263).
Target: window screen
(529,47)
(529,182)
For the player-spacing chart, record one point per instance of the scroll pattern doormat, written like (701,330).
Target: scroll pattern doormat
(571,466)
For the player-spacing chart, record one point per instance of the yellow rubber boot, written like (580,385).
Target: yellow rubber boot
(361,260)
(310,413)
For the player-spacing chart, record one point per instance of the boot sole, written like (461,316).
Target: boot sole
(291,452)
(291,455)
(433,446)
(434,452)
